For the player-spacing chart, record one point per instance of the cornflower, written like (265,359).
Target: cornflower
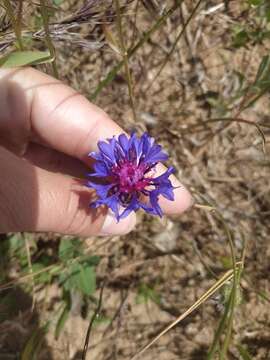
(124,175)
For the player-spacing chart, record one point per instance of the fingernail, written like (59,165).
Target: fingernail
(112,227)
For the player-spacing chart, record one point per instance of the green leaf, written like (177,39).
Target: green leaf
(44,277)
(69,249)
(90,260)
(87,280)
(16,243)
(240,38)
(80,277)
(23,58)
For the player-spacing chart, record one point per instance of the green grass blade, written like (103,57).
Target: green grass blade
(62,320)
(219,332)
(111,75)
(33,345)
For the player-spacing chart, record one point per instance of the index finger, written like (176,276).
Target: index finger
(63,119)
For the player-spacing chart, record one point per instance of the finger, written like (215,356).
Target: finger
(32,199)
(183,199)
(66,121)
(55,161)
(59,117)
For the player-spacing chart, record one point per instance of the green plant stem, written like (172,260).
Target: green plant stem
(232,305)
(45,17)
(111,75)
(232,300)
(219,332)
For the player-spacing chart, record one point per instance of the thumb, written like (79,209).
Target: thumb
(33,199)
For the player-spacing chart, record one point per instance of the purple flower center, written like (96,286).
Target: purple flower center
(130,176)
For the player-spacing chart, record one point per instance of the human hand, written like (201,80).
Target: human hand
(47,130)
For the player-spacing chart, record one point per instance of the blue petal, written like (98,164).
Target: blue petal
(166,191)
(95,155)
(107,150)
(164,177)
(138,147)
(101,189)
(113,203)
(154,202)
(124,143)
(147,208)
(155,154)
(101,170)
(95,204)
(146,143)
(132,153)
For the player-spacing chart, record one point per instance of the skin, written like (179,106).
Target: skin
(46,131)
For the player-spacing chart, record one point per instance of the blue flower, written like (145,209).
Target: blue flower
(124,175)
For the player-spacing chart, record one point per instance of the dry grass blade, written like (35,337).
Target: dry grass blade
(244,121)
(229,120)
(111,75)
(70,33)
(225,278)
(16,22)
(125,57)
(54,268)
(30,276)
(179,36)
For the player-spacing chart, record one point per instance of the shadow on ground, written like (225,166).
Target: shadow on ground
(21,336)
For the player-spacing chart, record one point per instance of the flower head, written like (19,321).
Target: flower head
(124,174)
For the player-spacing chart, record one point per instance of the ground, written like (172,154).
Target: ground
(157,272)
